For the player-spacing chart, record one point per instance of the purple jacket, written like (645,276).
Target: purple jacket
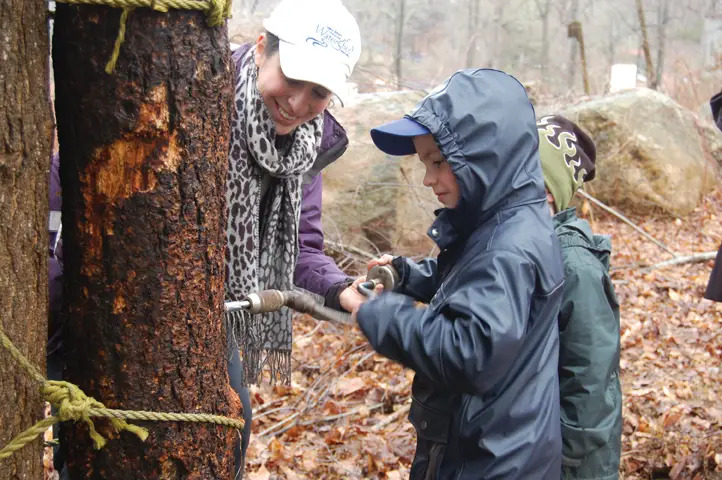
(315,271)
(55,267)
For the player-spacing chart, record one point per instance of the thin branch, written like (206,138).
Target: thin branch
(356,410)
(350,248)
(694,258)
(392,418)
(295,417)
(276,425)
(627,221)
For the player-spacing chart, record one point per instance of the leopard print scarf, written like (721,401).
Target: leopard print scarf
(262,240)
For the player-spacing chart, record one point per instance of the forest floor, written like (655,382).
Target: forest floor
(344,414)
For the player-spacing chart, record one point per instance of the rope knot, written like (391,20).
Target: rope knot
(73,404)
(216,12)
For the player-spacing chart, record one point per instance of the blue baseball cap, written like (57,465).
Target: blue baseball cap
(395,138)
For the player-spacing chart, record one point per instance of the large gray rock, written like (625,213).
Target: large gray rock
(652,154)
(363,188)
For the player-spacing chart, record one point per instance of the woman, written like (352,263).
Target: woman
(282,136)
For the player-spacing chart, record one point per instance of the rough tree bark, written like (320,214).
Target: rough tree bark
(144,154)
(24,162)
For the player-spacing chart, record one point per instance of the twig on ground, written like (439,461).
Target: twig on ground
(354,411)
(392,418)
(627,221)
(327,373)
(276,425)
(697,257)
(257,415)
(349,370)
(309,334)
(311,403)
(267,406)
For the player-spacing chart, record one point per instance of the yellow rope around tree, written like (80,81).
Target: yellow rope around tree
(216,12)
(72,404)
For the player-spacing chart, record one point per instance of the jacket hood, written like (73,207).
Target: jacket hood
(574,231)
(485,127)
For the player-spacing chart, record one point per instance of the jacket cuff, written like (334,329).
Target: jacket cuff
(333,296)
(402,268)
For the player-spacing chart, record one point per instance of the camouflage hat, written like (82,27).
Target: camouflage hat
(567,156)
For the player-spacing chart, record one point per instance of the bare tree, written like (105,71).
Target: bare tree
(25,128)
(543,8)
(399,41)
(498,28)
(663,18)
(574,30)
(651,82)
(572,72)
(473,36)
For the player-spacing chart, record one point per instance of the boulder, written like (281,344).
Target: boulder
(363,188)
(652,154)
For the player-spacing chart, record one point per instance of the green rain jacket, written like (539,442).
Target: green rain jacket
(590,392)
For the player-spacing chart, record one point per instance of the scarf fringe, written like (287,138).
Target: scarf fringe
(243,329)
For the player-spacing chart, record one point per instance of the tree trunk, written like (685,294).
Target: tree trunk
(497,53)
(473,25)
(24,163)
(583,56)
(543,9)
(572,73)
(645,45)
(401,16)
(144,155)
(612,43)
(662,21)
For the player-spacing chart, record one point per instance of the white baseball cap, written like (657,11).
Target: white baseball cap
(320,42)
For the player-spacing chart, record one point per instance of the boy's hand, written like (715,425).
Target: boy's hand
(385,259)
(351,299)
(354,299)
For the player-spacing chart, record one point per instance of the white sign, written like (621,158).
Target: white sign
(623,77)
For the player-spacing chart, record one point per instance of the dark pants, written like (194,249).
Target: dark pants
(235,375)
(54,365)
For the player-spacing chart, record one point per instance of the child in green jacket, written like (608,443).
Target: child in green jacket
(590,392)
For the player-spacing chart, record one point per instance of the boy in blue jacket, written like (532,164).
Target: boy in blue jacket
(485,348)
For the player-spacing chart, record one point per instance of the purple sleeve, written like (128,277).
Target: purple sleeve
(55,267)
(315,271)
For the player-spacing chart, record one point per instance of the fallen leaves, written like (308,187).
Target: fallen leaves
(344,416)
(348,386)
